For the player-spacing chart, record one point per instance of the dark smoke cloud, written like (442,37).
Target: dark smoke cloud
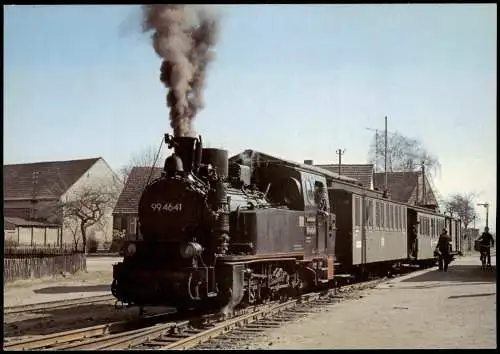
(183,35)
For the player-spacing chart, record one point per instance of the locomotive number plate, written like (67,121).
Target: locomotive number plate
(167,207)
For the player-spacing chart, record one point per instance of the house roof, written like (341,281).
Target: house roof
(9,221)
(360,172)
(54,178)
(128,201)
(249,157)
(402,185)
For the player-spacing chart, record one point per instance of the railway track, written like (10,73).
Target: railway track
(94,333)
(168,332)
(57,304)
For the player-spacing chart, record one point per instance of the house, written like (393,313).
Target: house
(22,232)
(125,213)
(361,172)
(407,187)
(40,192)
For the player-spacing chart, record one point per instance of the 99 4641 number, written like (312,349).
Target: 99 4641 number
(166,207)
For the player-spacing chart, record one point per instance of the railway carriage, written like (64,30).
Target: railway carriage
(371,230)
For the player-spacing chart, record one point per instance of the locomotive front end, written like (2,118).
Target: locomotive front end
(170,262)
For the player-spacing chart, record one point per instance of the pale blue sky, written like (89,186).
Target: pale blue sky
(294,81)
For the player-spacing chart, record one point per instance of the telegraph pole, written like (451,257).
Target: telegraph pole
(340,152)
(385,154)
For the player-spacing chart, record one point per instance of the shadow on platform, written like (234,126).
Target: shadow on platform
(73,289)
(458,273)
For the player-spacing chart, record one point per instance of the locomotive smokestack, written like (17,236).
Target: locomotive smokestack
(183,36)
(186,148)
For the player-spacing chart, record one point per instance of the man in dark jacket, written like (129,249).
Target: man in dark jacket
(485,242)
(443,249)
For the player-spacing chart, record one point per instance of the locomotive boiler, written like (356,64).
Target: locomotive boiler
(212,233)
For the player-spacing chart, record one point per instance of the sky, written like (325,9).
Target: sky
(296,81)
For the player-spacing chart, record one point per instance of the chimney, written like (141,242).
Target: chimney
(308,162)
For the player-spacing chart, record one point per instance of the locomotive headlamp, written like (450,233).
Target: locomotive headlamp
(191,249)
(131,249)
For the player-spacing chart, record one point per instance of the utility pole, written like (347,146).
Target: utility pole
(424,199)
(487,206)
(340,152)
(385,154)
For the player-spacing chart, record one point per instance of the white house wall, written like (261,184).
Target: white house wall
(100,175)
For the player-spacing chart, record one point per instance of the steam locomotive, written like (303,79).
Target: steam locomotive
(219,234)
(214,235)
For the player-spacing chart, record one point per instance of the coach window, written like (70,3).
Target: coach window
(386,221)
(377,214)
(388,216)
(369,213)
(398,226)
(356,211)
(404,219)
(382,215)
(391,217)
(401,218)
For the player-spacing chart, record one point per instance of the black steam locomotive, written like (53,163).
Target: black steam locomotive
(218,234)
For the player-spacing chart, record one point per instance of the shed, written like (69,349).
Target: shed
(31,233)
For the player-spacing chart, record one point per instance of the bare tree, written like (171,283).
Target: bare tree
(144,158)
(463,206)
(71,224)
(403,154)
(83,207)
(87,207)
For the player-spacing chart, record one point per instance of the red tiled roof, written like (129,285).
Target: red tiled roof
(54,178)
(128,201)
(361,172)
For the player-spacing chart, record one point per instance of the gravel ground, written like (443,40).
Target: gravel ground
(428,309)
(96,281)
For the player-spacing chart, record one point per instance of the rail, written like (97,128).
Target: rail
(57,304)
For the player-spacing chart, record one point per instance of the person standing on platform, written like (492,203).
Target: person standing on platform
(443,248)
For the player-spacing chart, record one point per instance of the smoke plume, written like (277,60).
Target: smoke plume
(183,36)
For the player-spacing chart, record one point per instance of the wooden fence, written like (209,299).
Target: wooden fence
(26,263)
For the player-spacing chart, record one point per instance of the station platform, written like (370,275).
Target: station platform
(422,310)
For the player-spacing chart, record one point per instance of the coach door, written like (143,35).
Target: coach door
(323,217)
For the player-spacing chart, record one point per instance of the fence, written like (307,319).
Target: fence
(26,263)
